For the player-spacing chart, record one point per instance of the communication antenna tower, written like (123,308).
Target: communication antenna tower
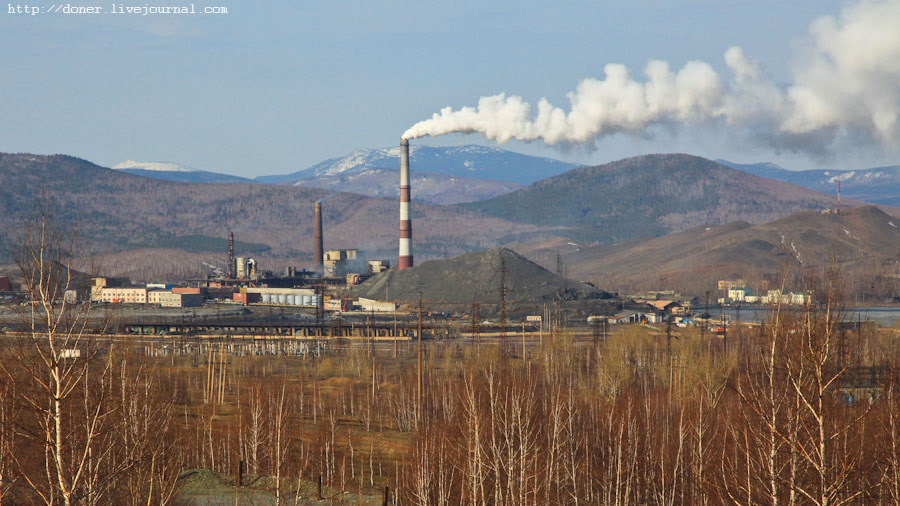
(839,196)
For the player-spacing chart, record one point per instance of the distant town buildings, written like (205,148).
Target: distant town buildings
(744,295)
(727,284)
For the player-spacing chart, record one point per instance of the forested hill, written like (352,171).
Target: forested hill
(116,211)
(650,195)
(861,243)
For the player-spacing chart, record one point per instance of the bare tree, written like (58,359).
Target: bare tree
(815,373)
(7,438)
(61,381)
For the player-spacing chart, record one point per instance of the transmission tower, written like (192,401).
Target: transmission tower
(320,304)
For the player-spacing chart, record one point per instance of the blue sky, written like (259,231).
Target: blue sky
(275,86)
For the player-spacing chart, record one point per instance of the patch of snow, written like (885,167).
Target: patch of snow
(891,223)
(841,177)
(349,162)
(796,253)
(157,166)
(474,148)
(708,228)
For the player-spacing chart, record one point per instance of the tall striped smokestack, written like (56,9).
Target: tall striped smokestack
(406,256)
(318,249)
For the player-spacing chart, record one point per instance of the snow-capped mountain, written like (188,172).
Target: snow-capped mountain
(427,187)
(471,161)
(156,166)
(175,172)
(879,185)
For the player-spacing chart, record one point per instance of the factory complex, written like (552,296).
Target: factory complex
(245,283)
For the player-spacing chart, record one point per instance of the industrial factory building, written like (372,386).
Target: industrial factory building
(278,296)
(124,295)
(339,262)
(170,299)
(376,306)
(140,295)
(154,296)
(376,266)
(245,268)
(99,283)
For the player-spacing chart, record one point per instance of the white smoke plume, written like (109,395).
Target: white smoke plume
(846,82)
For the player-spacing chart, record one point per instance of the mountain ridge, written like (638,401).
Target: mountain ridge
(876,185)
(649,195)
(429,187)
(117,211)
(861,242)
(471,160)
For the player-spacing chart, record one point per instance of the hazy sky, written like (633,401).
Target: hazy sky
(276,86)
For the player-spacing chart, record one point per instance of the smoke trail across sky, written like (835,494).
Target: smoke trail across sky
(846,82)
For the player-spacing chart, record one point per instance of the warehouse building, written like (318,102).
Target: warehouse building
(169,299)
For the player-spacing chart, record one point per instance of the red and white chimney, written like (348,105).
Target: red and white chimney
(406,256)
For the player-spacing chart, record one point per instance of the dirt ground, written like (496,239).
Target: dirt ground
(206,488)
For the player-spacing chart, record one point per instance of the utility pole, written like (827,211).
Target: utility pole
(669,349)
(523,340)
(669,338)
(559,318)
(724,329)
(705,320)
(502,291)
(724,335)
(476,322)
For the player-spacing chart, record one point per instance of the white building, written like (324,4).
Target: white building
(124,295)
(376,305)
(739,294)
(777,297)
